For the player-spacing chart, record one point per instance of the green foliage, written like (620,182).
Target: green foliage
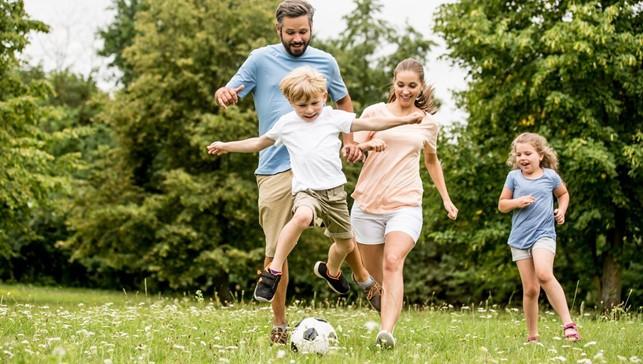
(571,72)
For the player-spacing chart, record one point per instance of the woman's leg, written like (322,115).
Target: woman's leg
(530,293)
(396,247)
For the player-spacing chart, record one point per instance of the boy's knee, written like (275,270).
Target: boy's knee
(345,245)
(302,218)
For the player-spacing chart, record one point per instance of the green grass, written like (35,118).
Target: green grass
(55,325)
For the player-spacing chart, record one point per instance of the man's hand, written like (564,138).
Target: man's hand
(226,96)
(352,153)
(217,148)
(375,145)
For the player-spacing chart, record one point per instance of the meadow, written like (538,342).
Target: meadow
(56,325)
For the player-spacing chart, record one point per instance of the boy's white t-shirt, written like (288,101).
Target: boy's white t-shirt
(313,147)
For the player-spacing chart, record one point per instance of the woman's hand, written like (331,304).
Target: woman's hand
(452,211)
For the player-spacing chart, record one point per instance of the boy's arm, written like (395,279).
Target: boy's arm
(249,145)
(563,202)
(377,123)
(506,203)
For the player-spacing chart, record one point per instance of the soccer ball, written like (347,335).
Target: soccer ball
(313,335)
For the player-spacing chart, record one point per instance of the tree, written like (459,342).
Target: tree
(571,72)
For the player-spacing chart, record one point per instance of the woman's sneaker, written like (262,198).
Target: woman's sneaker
(385,340)
(339,285)
(266,286)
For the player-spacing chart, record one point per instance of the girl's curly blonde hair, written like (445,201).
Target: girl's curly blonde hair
(550,159)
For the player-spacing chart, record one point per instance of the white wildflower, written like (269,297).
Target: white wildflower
(371,325)
(59,351)
(584,361)
(591,343)
(560,358)
(484,349)
(635,359)
(107,361)
(281,354)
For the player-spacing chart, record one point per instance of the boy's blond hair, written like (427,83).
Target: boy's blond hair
(303,84)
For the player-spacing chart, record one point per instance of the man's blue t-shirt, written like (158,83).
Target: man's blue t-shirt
(536,220)
(261,74)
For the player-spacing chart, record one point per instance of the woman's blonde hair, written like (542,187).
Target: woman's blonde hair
(303,84)
(424,100)
(550,159)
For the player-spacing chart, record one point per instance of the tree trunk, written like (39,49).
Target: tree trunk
(611,283)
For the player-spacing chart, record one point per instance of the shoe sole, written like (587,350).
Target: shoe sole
(261,299)
(316,271)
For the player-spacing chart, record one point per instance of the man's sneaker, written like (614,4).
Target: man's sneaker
(266,286)
(385,340)
(339,284)
(279,335)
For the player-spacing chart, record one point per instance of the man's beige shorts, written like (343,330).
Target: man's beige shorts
(275,206)
(330,210)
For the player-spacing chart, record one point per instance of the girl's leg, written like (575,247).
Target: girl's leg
(396,247)
(337,253)
(530,293)
(289,235)
(372,257)
(544,267)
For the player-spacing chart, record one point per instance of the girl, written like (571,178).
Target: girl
(528,191)
(387,213)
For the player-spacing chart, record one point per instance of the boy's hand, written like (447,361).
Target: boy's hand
(376,145)
(414,117)
(352,153)
(226,96)
(217,148)
(525,201)
(559,215)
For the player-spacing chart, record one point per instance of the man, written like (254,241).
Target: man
(260,74)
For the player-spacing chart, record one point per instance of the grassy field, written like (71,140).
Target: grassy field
(54,325)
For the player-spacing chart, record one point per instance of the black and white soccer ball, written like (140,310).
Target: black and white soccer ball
(313,335)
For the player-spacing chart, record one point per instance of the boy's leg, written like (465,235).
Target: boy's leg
(530,293)
(356,263)
(337,253)
(289,235)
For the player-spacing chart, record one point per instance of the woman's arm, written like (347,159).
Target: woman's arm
(433,166)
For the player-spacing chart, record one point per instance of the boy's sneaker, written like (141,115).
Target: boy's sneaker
(385,340)
(266,286)
(279,335)
(339,284)
(373,294)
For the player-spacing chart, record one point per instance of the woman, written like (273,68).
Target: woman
(387,213)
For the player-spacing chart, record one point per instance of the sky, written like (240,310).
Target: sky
(72,42)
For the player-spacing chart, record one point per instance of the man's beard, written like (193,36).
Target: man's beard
(288,45)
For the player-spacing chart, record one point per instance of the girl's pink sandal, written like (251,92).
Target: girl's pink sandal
(572,335)
(532,339)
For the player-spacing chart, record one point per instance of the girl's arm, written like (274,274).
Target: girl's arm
(377,123)
(506,203)
(563,202)
(433,166)
(249,145)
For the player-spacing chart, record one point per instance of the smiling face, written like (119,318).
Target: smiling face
(407,86)
(527,159)
(295,34)
(309,109)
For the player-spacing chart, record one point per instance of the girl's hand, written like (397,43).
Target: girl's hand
(376,145)
(525,201)
(559,216)
(452,211)
(217,148)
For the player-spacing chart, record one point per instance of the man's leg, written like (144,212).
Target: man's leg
(275,206)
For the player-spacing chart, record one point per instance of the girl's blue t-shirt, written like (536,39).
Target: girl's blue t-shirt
(261,74)
(535,221)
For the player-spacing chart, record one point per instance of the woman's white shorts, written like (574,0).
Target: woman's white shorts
(371,228)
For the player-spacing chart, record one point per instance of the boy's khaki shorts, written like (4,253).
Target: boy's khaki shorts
(275,206)
(330,210)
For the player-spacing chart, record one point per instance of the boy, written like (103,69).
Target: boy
(310,133)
